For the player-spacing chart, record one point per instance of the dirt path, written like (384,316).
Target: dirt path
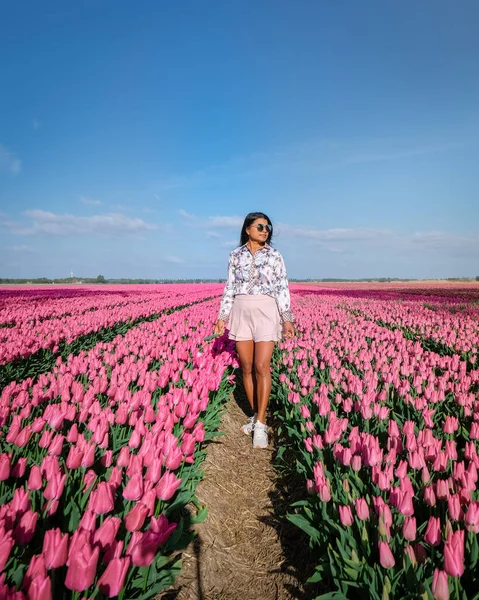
(243,550)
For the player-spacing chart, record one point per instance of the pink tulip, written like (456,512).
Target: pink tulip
(36,568)
(35,480)
(429,496)
(106,533)
(433,531)
(409,551)
(74,458)
(362,509)
(88,521)
(54,487)
(115,478)
(78,540)
(107,458)
(356,463)
(386,557)
(40,589)
(175,458)
(102,499)
(346,516)
(409,529)
(454,507)
(114,551)
(123,457)
(56,445)
(113,578)
(20,502)
(472,517)
(20,468)
(82,568)
(6,545)
(55,548)
(25,529)
(146,544)
(88,455)
(136,517)
(454,554)
(167,485)
(405,505)
(134,488)
(153,473)
(440,586)
(324,492)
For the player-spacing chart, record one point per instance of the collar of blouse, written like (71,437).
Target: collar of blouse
(265,247)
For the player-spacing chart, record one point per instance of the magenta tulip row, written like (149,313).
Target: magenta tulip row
(390,433)
(25,338)
(95,451)
(459,331)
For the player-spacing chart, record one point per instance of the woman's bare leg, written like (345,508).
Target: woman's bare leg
(262,364)
(246,355)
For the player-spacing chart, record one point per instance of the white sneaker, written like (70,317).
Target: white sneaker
(260,438)
(248,428)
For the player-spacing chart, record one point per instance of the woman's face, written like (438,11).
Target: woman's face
(253,232)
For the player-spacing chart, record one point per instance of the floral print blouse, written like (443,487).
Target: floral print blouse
(263,272)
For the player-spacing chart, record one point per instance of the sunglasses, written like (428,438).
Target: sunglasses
(260,227)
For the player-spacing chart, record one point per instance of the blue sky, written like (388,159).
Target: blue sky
(134,138)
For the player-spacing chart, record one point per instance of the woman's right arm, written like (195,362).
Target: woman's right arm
(228,294)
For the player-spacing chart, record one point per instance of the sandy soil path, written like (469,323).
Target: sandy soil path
(244,550)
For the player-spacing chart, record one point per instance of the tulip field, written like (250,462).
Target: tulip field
(379,400)
(109,393)
(100,450)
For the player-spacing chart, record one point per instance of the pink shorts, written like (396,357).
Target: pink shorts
(254,317)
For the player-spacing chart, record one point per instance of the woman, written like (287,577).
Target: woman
(256,302)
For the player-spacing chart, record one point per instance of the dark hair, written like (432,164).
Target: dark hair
(250,218)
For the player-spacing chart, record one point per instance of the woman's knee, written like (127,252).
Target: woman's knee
(247,368)
(262,368)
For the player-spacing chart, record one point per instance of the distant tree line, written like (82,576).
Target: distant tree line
(124,280)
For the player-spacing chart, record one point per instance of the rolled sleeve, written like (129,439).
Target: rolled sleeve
(228,294)
(282,294)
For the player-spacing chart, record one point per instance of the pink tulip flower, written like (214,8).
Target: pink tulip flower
(55,548)
(433,531)
(82,568)
(113,578)
(346,516)
(440,585)
(386,557)
(409,528)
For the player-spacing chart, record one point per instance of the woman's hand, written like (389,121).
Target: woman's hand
(219,327)
(288,330)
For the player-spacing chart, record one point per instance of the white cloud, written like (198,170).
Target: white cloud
(213,235)
(47,223)
(222,221)
(174,259)
(335,234)
(229,244)
(449,243)
(186,215)
(89,201)
(228,222)
(9,162)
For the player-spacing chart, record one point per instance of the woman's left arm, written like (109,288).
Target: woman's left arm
(281,286)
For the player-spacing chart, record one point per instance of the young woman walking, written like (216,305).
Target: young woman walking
(256,304)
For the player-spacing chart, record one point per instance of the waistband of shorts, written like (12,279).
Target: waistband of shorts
(252,297)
